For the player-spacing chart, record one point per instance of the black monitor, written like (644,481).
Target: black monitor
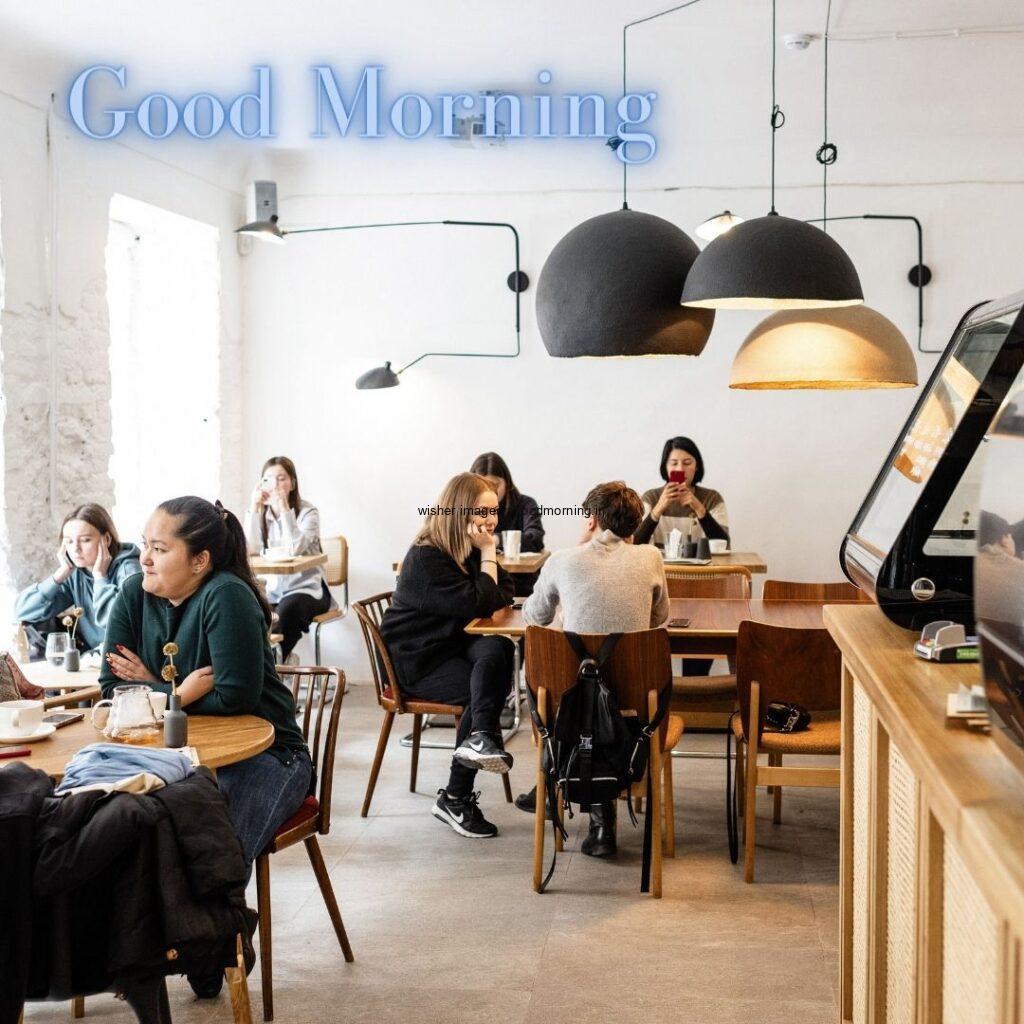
(912,543)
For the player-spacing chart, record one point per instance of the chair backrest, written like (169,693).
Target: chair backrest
(370,612)
(318,688)
(721,585)
(785,590)
(641,663)
(800,666)
(336,569)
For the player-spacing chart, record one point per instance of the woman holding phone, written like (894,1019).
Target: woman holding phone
(92,565)
(682,504)
(279,518)
(449,576)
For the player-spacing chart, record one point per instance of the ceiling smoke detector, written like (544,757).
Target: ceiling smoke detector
(798,40)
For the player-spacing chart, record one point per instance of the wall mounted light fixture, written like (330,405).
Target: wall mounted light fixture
(384,376)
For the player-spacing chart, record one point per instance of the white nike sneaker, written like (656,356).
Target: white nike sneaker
(462,815)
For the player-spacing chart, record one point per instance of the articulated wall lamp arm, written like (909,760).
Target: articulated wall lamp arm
(919,275)
(384,376)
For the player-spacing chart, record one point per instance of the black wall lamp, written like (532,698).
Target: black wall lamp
(384,376)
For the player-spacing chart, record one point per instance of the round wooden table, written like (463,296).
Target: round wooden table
(219,740)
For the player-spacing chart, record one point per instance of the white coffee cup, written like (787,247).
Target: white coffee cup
(20,717)
(277,554)
(719,547)
(511,540)
(158,702)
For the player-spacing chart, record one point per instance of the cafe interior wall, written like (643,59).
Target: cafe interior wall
(55,372)
(924,127)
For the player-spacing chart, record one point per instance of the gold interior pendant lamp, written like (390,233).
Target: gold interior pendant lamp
(835,348)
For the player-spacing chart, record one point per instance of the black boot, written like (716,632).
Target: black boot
(527,801)
(600,841)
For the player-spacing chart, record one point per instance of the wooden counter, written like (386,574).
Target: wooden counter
(932,858)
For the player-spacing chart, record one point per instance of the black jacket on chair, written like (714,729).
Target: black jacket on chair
(122,887)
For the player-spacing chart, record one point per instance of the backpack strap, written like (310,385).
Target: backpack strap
(550,786)
(604,652)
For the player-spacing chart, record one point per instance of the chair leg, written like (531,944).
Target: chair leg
(238,987)
(266,951)
(638,805)
(508,788)
(740,791)
(327,891)
(417,729)
(78,1007)
(777,805)
(668,799)
(538,813)
(559,841)
(654,810)
(750,802)
(316,643)
(382,743)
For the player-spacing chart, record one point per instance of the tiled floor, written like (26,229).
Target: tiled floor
(446,929)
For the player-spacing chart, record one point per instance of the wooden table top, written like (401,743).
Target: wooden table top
(527,562)
(73,686)
(300,563)
(749,559)
(218,741)
(975,791)
(708,617)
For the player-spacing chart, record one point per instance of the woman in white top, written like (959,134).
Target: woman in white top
(279,518)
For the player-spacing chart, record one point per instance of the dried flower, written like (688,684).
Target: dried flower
(168,673)
(79,611)
(170,648)
(67,620)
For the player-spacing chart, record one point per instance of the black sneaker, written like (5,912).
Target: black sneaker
(462,815)
(485,751)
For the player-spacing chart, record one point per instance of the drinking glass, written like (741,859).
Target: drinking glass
(56,644)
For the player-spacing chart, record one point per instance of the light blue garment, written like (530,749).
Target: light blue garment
(81,589)
(109,762)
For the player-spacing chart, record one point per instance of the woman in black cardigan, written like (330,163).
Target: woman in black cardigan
(515,512)
(450,576)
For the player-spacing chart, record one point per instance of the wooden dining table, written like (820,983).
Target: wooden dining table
(62,687)
(218,740)
(749,560)
(284,567)
(527,562)
(712,624)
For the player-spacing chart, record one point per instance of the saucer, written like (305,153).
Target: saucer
(45,730)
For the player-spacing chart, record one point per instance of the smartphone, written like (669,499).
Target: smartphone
(678,623)
(62,718)
(676,476)
(69,559)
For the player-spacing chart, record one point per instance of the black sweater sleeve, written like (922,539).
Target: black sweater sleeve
(644,531)
(713,530)
(435,584)
(533,528)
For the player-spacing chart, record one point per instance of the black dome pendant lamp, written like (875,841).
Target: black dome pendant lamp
(611,286)
(773,262)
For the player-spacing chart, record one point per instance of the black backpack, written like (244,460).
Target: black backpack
(593,752)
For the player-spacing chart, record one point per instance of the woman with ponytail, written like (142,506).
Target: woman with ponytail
(197,590)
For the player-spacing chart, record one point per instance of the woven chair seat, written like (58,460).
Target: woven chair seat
(822,736)
(704,687)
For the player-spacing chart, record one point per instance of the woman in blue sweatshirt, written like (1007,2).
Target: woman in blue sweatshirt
(92,566)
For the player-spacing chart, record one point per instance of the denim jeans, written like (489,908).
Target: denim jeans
(263,793)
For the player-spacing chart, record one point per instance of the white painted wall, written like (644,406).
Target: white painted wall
(928,129)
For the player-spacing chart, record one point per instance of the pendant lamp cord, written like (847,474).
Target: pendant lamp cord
(639,21)
(827,152)
(778,117)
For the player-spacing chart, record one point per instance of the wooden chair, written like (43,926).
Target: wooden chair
(707,701)
(336,570)
(314,816)
(639,667)
(784,590)
(697,572)
(777,663)
(370,612)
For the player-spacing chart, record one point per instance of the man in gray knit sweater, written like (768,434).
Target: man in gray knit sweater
(604,585)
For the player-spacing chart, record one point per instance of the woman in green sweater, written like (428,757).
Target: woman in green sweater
(197,590)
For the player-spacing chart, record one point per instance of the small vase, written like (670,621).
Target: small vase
(72,660)
(175,723)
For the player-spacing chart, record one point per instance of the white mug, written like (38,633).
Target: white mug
(276,553)
(719,547)
(20,717)
(511,541)
(158,702)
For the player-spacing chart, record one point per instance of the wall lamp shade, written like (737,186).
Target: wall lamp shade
(773,262)
(611,287)
(710,229)
(378,377)
(265,230)
(827,349)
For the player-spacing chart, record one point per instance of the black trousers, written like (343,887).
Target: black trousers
(480,680)
(295,612)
